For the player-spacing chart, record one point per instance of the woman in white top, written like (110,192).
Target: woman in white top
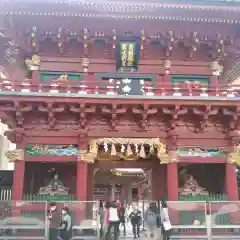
(165,221)
(112,221)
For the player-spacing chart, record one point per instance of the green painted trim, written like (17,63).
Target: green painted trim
(46,76)
(191,76)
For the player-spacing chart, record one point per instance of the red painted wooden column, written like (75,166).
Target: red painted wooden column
(90,183)
(231,182)
(158,176)
(172,181)
(18,180)
(140,192)
(81,184)
(19,171)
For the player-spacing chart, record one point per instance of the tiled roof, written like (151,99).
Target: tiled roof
(232,73)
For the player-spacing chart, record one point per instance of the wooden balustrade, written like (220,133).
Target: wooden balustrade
(111,88)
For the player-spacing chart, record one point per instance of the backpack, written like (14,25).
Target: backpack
(151,218)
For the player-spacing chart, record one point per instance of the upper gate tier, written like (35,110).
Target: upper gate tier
(194,32)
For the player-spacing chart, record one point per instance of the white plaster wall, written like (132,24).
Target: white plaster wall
(5,145)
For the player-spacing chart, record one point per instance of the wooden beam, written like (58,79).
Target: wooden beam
(59,159)
(202,160)
(108,164)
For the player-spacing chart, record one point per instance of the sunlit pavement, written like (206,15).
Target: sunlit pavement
(130,234)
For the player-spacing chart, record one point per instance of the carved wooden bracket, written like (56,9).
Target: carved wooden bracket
(235,117)
(113,112)
(51,112)
(233,137)
(145,112)
(175,113)
(83,112)
(204,116)
(19,112)
(15,135)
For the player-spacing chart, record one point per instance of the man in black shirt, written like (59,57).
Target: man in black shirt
(121,215)
(135,219)
(54,219)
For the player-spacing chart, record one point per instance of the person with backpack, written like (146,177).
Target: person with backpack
(152,222)
(135,218)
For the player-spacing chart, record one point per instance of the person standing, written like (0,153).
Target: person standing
(112,221)
(165,220)
(54,219)
(121,214)
(135,219)
(152,222)
(65,225)
(101,217)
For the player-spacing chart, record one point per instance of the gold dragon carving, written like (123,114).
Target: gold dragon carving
(33,63)
(15,155)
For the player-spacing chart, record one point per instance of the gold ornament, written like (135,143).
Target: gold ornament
(89,156)
(15,155)
(85,156)
(33,63)
(234,156)
(63,79)
(162,153)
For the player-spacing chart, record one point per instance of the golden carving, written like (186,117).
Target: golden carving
(162,153)
(128,154)
(33,63)
(234,156)
(63,78)
(88,156)
(93,153)
(15,155)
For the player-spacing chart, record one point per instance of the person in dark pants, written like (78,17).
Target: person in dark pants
(112,221)
(165,221)
(101,216)
(121,214)
(54,219)
(65,225)
(135,219)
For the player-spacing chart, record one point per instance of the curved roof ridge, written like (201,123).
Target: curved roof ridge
(232,73)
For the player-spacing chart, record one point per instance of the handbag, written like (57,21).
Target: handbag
(167,225)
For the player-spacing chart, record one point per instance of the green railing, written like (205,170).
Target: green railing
(211,197)
(48,198)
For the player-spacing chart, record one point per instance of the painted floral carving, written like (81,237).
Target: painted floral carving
(15,155)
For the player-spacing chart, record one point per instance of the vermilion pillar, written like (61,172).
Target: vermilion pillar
(172,181)
(158,176)
(18,180)
(231,182)
(140,192)
(82,184)
(90,183)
